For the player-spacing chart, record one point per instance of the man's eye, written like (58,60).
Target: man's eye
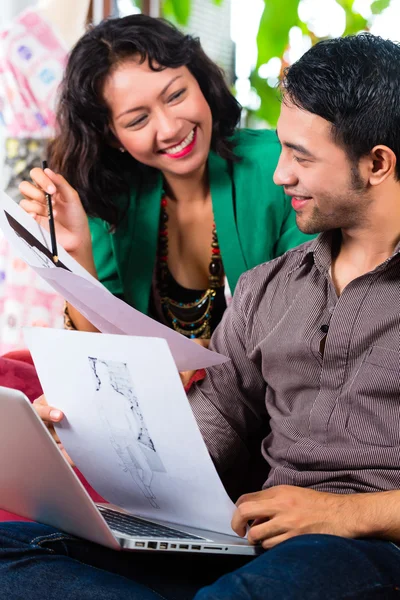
(298,159)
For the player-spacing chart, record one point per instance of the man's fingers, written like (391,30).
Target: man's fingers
(274,541)
(249,511)
(265,530)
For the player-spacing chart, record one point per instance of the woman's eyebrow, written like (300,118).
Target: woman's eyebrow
(136,108)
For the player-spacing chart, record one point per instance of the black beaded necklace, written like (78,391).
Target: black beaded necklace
(191,319)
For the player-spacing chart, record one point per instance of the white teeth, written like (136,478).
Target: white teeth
(188,140)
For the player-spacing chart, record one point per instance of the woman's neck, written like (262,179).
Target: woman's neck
(190,189)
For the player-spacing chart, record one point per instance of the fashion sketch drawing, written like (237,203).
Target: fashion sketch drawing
(126,427)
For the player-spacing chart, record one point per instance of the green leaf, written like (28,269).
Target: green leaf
(354,23)
(273,34)
(346,4)
(178,9)
(379,6)
(270,99)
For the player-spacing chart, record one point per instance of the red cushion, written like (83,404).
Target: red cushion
(20,376)
(22,355)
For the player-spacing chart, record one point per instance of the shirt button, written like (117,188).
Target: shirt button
(324,328)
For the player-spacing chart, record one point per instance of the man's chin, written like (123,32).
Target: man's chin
(307,226)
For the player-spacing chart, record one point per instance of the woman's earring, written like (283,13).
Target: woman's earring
(121,149)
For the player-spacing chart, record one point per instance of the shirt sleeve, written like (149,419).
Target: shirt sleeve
(104,257)
(290,235)
(229,404)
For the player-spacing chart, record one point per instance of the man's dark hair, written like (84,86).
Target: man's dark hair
(82,150)
(354,83)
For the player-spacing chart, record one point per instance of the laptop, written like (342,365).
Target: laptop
(37,483)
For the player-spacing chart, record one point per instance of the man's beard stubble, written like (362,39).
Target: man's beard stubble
(347,211)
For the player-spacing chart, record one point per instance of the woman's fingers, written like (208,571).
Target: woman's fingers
(186,376)
(50,415)
(31,192)
(47,182)
(66,456)
(43,180)
(46,412)
(34,208)
(67,192)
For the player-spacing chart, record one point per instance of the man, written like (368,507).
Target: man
(314,342)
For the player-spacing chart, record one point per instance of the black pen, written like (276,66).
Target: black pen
(51,222)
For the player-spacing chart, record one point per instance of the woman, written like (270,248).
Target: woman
(180,203)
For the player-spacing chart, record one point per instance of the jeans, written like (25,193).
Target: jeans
(41,563)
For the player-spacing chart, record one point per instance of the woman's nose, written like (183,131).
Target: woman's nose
(168,128)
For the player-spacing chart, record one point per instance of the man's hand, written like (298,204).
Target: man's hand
(49,416)
(284,511)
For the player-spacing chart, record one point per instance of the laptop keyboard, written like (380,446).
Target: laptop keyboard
(135,527)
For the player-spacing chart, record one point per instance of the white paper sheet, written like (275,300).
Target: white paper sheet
(108,313)
(129,427)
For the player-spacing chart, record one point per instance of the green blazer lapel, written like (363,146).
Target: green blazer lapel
(222,195)
(136,246)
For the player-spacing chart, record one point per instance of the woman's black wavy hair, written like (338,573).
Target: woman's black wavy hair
(82,150)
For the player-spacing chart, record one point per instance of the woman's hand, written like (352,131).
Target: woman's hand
(49,416)
(186,376)
(70,219)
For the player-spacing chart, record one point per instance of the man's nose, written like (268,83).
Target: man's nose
(284,174)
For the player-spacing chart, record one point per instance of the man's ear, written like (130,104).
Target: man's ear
(382,162)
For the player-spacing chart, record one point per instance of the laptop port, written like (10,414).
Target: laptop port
(139,544)
(173,545)
(184,546)
(196,547)
(163,545)
(213,548)
(152,545)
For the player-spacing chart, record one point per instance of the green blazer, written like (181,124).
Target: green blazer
(253,217)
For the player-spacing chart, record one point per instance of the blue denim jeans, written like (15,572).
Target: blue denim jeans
(41,563)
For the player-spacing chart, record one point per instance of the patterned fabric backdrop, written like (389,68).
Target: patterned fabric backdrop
(32,61)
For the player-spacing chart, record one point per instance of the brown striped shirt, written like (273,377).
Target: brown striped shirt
(328,421)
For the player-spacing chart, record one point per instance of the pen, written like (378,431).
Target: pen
(51,222)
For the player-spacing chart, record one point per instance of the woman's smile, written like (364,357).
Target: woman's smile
(183,148)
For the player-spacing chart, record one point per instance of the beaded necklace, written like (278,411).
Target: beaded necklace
(191,319)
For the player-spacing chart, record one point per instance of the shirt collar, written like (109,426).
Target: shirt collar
(320,250)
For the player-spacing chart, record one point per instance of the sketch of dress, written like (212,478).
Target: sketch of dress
(126,427)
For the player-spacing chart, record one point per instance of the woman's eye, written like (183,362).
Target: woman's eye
(176,95)
(138,121)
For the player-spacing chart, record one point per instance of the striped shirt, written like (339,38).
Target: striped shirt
(314,376)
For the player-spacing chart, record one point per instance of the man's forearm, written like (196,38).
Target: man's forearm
(379,515)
